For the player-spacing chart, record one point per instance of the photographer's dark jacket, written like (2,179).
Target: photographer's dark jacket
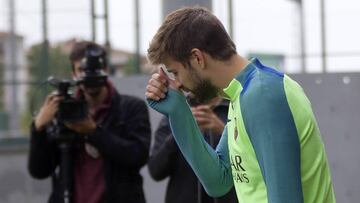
(122,138)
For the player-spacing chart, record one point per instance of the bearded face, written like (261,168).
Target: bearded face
(203,89)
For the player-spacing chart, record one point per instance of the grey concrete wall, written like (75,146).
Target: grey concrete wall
(335,99)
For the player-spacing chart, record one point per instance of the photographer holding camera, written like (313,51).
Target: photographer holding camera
(108,146)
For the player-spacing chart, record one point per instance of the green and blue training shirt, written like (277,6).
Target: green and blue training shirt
(271,149)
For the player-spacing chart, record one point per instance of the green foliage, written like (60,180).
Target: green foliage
(130,67)
(59,67)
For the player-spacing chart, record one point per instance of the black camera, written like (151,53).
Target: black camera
(70,108)
(93,66)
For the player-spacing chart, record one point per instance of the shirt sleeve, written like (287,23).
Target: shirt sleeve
(210,166)
(271,128)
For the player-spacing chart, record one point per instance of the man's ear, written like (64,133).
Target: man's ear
(197,58)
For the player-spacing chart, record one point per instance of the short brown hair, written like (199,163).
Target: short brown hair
(188,28)
(78,51)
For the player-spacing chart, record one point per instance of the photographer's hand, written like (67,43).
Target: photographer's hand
(47,111)
(207,119)
(83,127)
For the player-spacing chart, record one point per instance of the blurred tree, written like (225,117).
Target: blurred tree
(59,64)
(130,67)
(59,67)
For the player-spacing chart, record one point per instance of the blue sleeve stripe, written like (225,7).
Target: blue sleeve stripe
(268,69)
(271,128)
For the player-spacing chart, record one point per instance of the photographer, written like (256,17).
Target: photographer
(109,147)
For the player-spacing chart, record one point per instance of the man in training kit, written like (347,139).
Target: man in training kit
(271,148)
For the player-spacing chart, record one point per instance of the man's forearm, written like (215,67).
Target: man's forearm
(211,167)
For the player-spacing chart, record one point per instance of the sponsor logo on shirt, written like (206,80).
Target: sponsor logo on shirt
(239,172)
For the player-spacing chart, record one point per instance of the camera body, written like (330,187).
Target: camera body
(70,108)
(93,65)
(93,76)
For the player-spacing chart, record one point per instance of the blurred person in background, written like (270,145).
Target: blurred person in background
(166,159)
(111,144)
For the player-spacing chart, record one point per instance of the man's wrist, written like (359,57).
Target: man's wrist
(38,127)
(220,128)
(91,129)
(93,132)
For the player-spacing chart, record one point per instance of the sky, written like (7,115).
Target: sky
(259,26)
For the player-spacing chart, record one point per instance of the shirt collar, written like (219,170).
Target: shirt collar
(235,87)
